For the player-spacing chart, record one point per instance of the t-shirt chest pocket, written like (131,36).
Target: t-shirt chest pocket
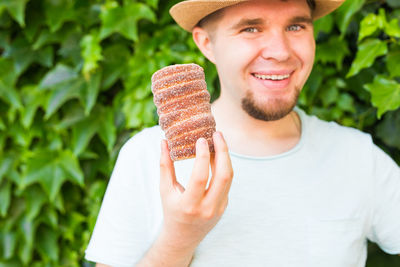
(336,242)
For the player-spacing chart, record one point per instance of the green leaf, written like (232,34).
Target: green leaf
(59,204)
(133,111)
(92,90)
(393,28)
(35,199)
(25,253)
(33,20)
(32,99)
(3,138)
(23,55)
(4,38)
(21,136)
(49,216)
(47,37)
(83,132)
(27,228)
(124,19)
(74,220)
(389,125)
(324,51)
(63,92)
(16,9)
(60,73)
(393,59)
(369,25)
(73,115)
(324,24)
(70,165)
(346,12)
(91,53)
(5,18)
(58,12)
(152,3)
(329,95)
(385,94)
(2,127)
(393,3)
(139,112)
(313,84)
(11,263)
(107,130)
(55,142)
(346,103)
(114,63)
(8,78)
(149,113)
(5,198)
(47,244)
(51,169)
(367,52)
(9,243)
(100,121)
(6,164)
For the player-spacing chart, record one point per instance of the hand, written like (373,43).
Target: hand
(189,214)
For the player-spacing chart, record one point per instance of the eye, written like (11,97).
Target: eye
(250,30)
(295,28)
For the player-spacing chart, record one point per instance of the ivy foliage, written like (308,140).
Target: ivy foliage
(75,85)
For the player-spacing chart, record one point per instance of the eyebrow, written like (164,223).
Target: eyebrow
(302,19)
(247,22)
(259,21)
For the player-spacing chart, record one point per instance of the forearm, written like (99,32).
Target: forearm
(166,253)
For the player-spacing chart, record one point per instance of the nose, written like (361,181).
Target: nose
(275,46)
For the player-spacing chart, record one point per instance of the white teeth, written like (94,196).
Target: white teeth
(272,77)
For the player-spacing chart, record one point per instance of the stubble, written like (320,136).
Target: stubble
(273,110)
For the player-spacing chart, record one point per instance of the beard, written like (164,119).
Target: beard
(273,110)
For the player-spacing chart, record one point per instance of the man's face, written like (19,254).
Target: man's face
(264,52)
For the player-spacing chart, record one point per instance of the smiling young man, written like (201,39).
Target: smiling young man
(304,193)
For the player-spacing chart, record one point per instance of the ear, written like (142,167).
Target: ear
(203,41)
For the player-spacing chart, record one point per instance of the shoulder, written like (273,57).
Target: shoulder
(339,144)
(144,142)
(332,133)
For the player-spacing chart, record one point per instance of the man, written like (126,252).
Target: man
(304,192)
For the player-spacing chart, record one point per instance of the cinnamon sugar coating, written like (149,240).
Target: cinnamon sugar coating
(183,105)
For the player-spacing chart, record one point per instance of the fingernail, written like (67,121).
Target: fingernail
(202,141)
(219,135)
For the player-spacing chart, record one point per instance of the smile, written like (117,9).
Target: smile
(272,77)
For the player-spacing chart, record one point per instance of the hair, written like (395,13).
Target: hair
(312,4)
(216,15)
(208,22)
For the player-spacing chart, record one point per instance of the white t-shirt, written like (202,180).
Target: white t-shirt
(315,205)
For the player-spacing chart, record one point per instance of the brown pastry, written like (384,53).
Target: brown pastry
(183,106)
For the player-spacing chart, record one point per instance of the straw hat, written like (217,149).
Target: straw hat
(188,13)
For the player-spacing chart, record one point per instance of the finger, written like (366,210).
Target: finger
(221,181)
(167,170)
(212,163)
(220,147)
(198,180)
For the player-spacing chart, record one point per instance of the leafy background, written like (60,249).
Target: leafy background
(75,85)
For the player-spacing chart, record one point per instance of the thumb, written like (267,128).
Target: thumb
(167,170)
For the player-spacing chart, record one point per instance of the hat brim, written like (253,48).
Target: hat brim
(188,13)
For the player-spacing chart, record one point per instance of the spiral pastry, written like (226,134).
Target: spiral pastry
(183,106)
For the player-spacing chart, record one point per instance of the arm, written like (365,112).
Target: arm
(189,214)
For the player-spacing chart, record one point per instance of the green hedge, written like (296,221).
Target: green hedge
(75,85)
